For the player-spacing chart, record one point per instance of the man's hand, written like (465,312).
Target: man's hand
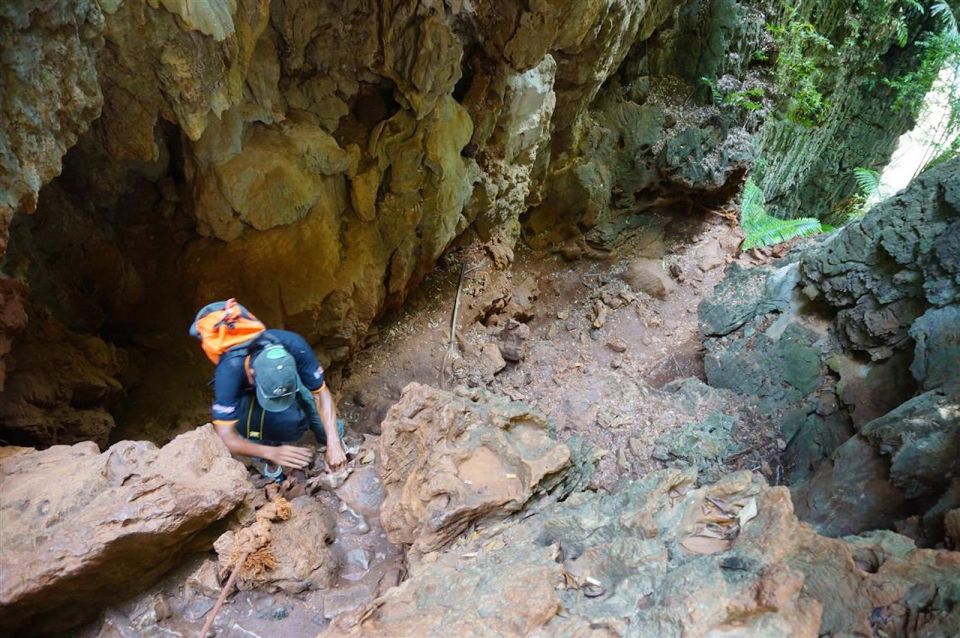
(289,456)
(335,457)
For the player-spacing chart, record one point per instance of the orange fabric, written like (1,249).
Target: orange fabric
(224,329)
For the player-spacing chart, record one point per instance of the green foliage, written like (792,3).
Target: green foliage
(943,12)
(798,73)
(946,152)
(809,64)
(749,99)
(711,84)
(762,229)
(868,180)
(936,50)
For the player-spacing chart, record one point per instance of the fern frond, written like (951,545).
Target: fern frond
(902,33)
(774,231)
(751,209)
(869,181)
(761,229)
(943,11)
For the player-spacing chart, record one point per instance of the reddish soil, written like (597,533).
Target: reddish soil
(572,371)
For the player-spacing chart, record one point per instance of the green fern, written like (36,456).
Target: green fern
(869,181)
(761,229)
(946,16)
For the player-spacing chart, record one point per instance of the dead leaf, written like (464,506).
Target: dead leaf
(718,519)
(748,512)
(720,504)
(712,533)
(494,545)
(705,545)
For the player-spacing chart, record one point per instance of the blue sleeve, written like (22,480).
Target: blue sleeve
(311,374)
(228,387)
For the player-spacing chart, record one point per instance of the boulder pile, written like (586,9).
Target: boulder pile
(81,529)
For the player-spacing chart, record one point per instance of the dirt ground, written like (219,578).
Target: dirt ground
(600,383)
(588,349)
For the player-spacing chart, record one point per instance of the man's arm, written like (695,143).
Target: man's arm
(336,459)
(286,455)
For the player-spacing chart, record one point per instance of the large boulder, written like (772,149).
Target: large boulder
(640,563)
(450,460)
(83,528)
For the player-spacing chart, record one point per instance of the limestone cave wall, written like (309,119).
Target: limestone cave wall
(316,158)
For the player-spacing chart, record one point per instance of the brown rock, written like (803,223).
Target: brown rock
(81,528)
(600,311)
(536,576)
(513,341)
(301,547)
(522,306)
(648,275)
(849,493)
(617,345)
(491,361)
(204,581)
(710,256)
(452,460)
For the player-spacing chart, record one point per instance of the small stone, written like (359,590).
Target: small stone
(660,453)
(491,360)
(359,558)
(599,314)
(636,446)
(570,251)
(648,275)
(617,345)
(616,363)
(263,607)
(513,341)
(622,464)
(711,256)
(279,613)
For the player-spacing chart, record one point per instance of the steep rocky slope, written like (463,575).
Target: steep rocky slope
(851,342)
(316,159)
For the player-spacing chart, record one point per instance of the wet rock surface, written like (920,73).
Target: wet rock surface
(81,528)
(453,460)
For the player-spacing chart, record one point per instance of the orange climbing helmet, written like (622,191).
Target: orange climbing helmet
(225,325)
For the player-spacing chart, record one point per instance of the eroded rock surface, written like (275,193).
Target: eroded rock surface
(835,339)
(81,528)
(452,460)
(617,565)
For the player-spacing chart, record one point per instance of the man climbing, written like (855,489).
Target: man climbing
(268,389)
